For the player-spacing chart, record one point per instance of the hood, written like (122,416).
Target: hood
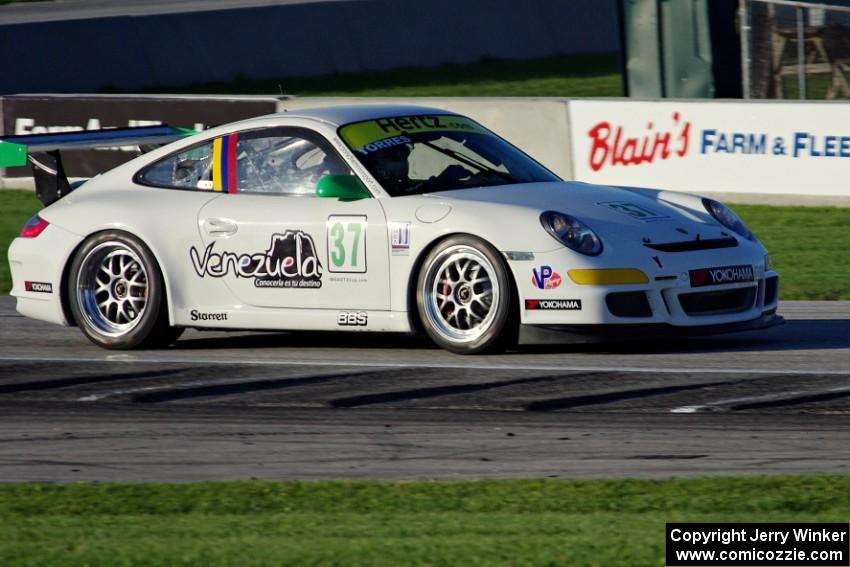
(647,216)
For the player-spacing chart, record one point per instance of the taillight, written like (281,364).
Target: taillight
(34,227)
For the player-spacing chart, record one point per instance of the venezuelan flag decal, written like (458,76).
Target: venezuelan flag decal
(224,163)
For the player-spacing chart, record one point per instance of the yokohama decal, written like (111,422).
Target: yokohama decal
(40,287)
(553,304)
(723,275)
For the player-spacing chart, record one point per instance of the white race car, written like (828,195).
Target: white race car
(374,218)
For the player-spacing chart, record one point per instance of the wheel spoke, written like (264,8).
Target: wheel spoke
(482,294)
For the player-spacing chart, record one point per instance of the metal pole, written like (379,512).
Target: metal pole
(801,53)
(744,17)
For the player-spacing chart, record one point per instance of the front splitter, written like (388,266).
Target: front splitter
(577,334)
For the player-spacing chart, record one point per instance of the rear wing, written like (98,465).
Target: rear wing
(42,151)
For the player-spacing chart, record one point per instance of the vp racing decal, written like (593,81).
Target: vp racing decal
(290,262)
(721,275)
(545,277)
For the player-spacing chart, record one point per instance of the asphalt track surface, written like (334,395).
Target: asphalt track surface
(222,406)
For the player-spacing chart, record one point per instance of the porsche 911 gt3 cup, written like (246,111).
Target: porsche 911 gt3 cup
(372,218)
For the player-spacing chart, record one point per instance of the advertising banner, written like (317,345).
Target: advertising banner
(713,146)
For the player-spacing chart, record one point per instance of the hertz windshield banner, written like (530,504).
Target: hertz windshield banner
(694,146)
(758,544)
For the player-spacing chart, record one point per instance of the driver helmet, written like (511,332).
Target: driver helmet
(391,163)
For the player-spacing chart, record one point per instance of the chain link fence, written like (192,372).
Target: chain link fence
(795,50)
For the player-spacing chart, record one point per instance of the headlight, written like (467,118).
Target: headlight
(571,232)
(727,217)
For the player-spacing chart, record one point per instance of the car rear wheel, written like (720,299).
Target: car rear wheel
(465,297)
(117,295)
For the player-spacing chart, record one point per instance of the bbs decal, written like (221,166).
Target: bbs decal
(352,319)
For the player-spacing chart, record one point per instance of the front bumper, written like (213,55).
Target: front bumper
(669,295)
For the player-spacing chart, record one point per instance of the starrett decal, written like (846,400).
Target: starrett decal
(290,262)
(201,316)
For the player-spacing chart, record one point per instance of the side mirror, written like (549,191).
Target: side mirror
(342,187)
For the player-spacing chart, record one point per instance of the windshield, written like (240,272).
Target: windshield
(410,155)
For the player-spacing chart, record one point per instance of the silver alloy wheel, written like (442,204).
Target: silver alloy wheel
(461,293)
(112,288)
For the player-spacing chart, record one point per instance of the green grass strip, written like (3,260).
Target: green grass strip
(808,247)
(566,76)
(807,244)
(15,208)
(519,522)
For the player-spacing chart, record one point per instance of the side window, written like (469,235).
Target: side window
(191,169)
(284,161)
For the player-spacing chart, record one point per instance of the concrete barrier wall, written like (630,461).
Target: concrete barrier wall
(317,38)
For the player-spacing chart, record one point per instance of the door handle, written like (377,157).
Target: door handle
(220,228)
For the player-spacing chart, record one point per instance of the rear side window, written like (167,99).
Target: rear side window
(191,169)
(283,161)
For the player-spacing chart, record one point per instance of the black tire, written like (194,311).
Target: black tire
(466,298)
(117,294)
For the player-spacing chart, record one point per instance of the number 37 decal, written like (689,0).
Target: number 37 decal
(347,244)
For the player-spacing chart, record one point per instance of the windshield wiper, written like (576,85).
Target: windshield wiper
(469,161)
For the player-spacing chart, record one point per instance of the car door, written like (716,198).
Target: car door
(274,243)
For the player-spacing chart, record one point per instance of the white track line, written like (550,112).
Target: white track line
(198,384)
(749,399)
(440,365)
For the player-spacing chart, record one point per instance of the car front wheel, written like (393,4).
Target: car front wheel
(465,297)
